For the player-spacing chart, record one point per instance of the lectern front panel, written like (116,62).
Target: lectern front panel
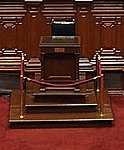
(60,58)
(60,67)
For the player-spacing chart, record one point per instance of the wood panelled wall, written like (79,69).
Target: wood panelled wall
(99,23)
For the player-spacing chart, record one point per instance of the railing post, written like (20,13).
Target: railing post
(102,95)
(22,87)
(98,70)
(100,84)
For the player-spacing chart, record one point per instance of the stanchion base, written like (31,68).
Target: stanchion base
(21,116)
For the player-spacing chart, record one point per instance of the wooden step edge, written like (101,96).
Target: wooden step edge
(60,105)
(62,124)
(63,120)
(61,109)
(59,94)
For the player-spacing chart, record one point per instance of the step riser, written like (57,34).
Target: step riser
(60,109)
(71,124)
(58,98)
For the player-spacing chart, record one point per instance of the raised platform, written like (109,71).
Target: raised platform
(52,109)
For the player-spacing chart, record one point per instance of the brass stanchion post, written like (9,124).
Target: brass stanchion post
(100,84)
(98,70)
(102,95)
(22,87)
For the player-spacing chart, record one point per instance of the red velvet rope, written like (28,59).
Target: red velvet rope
(99,66)
(63,85)
(60,85)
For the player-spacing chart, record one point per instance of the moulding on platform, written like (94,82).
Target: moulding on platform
(83,0)
(33,0)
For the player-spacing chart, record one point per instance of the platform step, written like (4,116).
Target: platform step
(59,119)
(68,102)
(62,119)
(59,96)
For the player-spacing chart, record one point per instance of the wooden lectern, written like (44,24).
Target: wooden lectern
(60,58)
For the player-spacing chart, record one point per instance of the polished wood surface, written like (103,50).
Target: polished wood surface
(60,106)
(99,23)
(112,66)
(82,111)
(60,58)
(10,62)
